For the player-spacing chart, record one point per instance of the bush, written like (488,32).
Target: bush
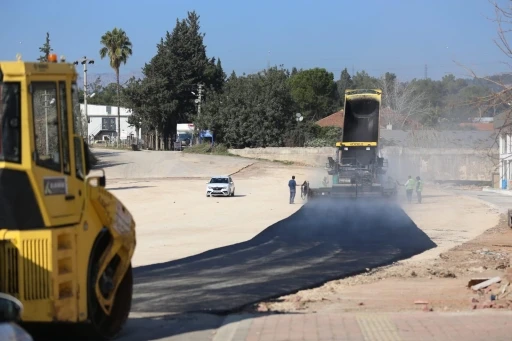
(319,142)
(325,137)
(206,148)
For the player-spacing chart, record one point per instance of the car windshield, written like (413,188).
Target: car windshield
(219,181)
(9,122)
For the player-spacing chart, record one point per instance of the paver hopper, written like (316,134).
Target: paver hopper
(359,170)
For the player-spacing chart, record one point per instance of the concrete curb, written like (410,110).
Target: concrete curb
(499,191)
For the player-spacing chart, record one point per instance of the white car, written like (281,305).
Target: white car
(220,185)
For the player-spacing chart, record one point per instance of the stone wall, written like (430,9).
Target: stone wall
(429,163)
(310,156)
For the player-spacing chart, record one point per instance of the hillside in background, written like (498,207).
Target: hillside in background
(504,78)
(110,77)
(106,78)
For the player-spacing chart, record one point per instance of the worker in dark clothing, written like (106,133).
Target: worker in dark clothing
(304,189)
(292,185)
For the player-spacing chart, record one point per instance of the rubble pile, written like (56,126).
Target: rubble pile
(491,292)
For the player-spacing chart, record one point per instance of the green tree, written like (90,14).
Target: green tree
(164,97)
(314,91)
(345,82)
(256,110)
(103,95)
(45,49)
(362,80)
(118,48)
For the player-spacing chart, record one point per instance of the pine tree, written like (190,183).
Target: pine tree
(178,67)
(344,83)
(45,49)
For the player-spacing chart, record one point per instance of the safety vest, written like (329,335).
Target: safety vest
(409,184)
(419,186)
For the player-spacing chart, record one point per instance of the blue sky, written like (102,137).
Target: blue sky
(400,36)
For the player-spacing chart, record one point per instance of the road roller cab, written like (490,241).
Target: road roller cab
(66,243)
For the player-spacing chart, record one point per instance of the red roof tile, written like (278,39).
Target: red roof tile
(334,120)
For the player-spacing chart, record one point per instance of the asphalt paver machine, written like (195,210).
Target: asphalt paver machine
(358,170)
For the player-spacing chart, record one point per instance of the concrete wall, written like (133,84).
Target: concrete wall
(430,164)
(440,164)
(310,156)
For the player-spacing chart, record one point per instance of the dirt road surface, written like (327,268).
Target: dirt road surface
(470,243)
(175,220)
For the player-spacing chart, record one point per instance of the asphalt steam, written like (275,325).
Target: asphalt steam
(324,240)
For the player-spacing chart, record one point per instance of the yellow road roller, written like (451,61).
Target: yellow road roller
(66,243)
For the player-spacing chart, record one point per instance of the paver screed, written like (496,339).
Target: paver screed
(411,326)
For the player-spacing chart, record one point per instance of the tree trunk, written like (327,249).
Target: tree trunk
(118,109)
(156,139)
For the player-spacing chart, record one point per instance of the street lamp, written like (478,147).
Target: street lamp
(47,104)
(84,61)
(299,118)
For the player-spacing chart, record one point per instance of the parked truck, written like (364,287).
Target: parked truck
(184,135)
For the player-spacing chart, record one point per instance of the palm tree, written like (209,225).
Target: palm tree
(118,47)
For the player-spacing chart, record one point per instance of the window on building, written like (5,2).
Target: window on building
(108,123)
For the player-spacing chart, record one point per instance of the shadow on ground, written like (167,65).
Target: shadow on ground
(101,153)
(185,327)
(127,187)
(323,241)
(106,164)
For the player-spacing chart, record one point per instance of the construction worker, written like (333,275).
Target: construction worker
(292,185)
(419,188)
(409,187)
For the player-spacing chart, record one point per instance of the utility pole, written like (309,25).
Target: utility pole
(46,107)
(426,71)
(200,97)
(84,61)
(198,101)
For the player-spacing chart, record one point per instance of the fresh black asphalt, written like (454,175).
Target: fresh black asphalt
(324,240)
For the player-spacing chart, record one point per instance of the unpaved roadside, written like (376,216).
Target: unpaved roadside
(438,276)
(175,219)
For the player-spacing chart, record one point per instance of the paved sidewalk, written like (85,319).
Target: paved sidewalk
(415,326)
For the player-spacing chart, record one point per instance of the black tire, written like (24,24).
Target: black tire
(102,326)
(233,193)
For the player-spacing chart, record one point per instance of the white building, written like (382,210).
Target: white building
(103,122)
(503,126)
